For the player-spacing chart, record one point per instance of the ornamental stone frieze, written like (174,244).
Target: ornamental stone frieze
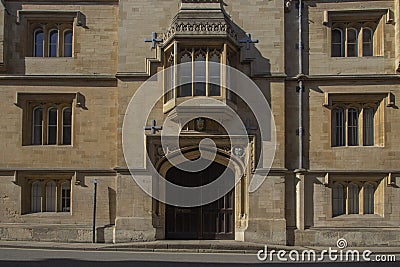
(201,19)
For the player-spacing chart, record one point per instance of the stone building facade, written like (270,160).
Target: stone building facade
(69,70)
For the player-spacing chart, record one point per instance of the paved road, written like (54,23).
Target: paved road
(61,258)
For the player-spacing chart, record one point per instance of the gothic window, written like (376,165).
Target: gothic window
(37,125)
(337,43)
(338,199)
(367,42)
(368,127)
(66,197)
(36,197)
(369,192)
(353,198)
(48,194)
(68,43)
(67,125)
(53,43)
(185,75)
(51,196)
(215,74)
(52,126)
(52,40)
(169,73)
(231,96)
(200,73)
(47,117)
(338,127)
(352,127)
(355,40)
(38,43)
(347,121)
(352,42)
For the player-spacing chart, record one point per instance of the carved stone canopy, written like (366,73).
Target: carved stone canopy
(201,18)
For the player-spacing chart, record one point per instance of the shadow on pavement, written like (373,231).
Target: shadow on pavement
(77,263)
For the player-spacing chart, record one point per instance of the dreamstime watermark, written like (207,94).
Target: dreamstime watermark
(328,255)
(152,93)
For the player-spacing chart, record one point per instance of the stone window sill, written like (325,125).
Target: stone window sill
(48,214)
(348,217)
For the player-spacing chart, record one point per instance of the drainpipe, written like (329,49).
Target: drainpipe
(300,177)
(300,87)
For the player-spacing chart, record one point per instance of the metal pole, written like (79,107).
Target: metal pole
(94,211)
(300,86)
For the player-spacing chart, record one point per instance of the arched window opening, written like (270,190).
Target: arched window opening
(185,76)
(368,42)
(338,124)
(353,205)
(369,193)
(338,197)
(368,131)
(37,126)
(38,43)
(51,197)
(36,197)
(67,126)
(52,126)
(352,126)
(200,76)
(66,197)
(53,43)
(68,43)
(214,74)
(337,43)
(352,42)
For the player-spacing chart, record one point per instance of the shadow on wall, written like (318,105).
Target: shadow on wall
(104,234)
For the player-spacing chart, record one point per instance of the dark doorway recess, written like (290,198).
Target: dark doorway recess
(211,221)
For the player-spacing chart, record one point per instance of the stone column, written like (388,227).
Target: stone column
(300,207)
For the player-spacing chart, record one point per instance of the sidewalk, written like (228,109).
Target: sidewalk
(189,246)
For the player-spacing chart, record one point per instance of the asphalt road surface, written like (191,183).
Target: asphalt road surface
(70,258)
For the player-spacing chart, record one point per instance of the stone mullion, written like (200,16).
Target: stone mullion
(59,124)
(44,124)
(58,196)
(175,89)
(360,40)
(346,125)
(207,71)
(43,188)
(361,200)
(361,127)
(28,133)
(224,71)
(59,40)
(193,71)
(45,40)
(345,40)
(345,198)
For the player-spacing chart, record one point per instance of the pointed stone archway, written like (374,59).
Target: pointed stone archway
(222,219)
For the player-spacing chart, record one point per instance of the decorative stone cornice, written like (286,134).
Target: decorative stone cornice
(201,18)
(202,28)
